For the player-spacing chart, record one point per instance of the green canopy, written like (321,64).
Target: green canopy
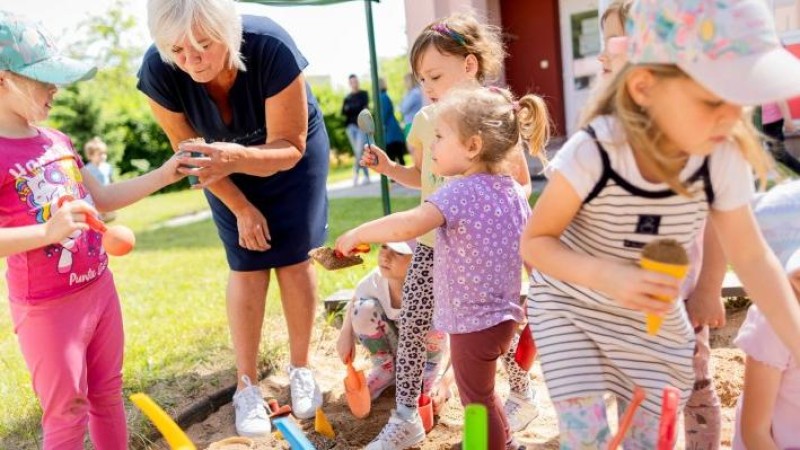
(373,63)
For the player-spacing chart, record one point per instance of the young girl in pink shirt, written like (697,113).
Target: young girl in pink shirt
(63,302)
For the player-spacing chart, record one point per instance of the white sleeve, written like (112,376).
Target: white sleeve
(579,162)
(731,178)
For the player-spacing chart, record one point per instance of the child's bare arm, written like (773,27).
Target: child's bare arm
(761,384)
(396,227)
(706,305)
(346,341)
(410,177)
(541,247)
(117,195)
(760,272)
(67,219)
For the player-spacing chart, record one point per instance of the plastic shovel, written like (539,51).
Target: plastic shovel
(175,437)
(667,429)
(356,391)
(526,349)
(627,418)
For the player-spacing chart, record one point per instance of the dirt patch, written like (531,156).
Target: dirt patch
(542,434)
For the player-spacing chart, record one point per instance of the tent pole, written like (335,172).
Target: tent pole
(376,102)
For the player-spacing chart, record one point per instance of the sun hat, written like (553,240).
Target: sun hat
(403,247)
(27,49)
(728,46)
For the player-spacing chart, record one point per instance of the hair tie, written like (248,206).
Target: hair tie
(444,30)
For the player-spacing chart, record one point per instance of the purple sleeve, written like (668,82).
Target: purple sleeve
(759,341)
(451,201)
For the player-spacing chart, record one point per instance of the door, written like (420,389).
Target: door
(580,45)
(533,64)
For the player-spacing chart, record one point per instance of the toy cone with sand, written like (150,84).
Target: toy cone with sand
(665,256)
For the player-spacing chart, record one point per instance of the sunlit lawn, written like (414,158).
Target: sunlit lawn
(172,289)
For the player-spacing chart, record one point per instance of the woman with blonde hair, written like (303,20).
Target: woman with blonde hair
(237,82)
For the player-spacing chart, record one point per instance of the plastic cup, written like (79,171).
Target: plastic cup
(193,180)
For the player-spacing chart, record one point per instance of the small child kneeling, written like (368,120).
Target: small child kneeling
(372,316)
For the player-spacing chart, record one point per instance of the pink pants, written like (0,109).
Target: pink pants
(73,349)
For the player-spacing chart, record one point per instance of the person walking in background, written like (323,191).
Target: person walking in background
(775,118)
(395,139)
(411,103)
(355,101)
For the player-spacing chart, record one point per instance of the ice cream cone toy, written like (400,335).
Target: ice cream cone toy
(356,391)
(667,429)
(332,259)
(627,418)
(665,256)
(526,349)
(322,425)
(172,433)
(118,240)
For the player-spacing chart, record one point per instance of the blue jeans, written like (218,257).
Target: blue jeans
(357,140)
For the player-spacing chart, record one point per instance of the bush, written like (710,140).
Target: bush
(330,102)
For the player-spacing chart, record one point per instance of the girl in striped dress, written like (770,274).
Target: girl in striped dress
(665,145)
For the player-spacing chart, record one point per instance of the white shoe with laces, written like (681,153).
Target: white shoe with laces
(252,419)
(399,434)
(521,410)
(306,395)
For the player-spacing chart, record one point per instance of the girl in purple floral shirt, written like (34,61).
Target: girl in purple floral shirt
(479,218)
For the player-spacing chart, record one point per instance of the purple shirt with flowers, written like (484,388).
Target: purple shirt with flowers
(477,266)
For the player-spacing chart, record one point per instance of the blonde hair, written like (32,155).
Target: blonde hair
(93,146)
(618,7)
(171,20)
(500,121)
(462,35)
(643,135)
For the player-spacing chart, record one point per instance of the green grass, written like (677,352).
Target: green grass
(172,290)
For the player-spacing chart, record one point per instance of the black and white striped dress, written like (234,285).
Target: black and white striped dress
(588,344)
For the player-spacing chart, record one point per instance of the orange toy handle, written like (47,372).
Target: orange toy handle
(627,418)
(93,222)
(360,248)
(669,416)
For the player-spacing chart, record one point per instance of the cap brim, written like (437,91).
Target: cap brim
(59,70)
(400,247)
(752,80)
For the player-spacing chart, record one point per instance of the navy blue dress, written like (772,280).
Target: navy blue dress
(294,201)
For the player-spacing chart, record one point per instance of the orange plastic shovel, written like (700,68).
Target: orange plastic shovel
(627,418)
(356,391)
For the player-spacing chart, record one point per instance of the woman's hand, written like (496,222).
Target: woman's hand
(375,158)
(68,218)
(639,289)
(345,345)
(253,229)
(219,160)
(347,242)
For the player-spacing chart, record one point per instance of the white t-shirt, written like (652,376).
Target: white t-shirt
(374,285)
(579,161)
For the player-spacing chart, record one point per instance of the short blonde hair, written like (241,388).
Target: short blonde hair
(462,34)
(502,122)
(93,146)
(642,134)
(171,20)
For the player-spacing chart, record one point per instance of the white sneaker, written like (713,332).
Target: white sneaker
(399,434)
(252,419)
(306,395)
(521,410)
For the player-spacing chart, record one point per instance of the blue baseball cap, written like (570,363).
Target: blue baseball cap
(27,49)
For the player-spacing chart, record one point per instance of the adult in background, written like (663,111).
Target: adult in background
(238,83)
(395,139)
(411,103)
(354,102)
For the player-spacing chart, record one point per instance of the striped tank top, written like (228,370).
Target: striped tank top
(588,344)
